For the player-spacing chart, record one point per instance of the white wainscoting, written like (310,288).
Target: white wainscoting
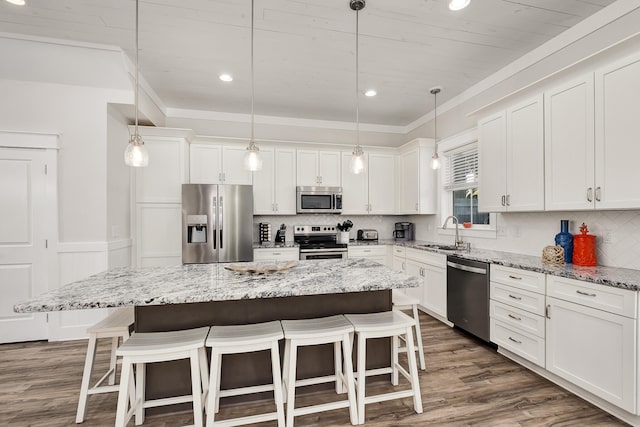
(79,260)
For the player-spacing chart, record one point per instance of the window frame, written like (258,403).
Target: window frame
(446,196)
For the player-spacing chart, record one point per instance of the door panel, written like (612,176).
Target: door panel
(22,242)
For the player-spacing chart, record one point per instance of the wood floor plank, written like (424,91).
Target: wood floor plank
(465,384)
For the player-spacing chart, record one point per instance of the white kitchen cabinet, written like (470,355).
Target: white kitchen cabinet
(218,164)
(617,91)
(417,180)
(511,156)
(414,268)
(517,307)
(318,168)
(376,253)
(161,181)
(155,248)
(569,145)
(433,273)
(274,186)
(372,191)
(276,254)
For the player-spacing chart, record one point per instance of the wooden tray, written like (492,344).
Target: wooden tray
(261,267)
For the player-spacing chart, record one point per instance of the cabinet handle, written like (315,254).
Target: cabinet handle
(515,340)
(514,297)
(514,317)
(587,294)
(515,277)
(503,200)
(276,253)
(547,311)
(508,199)
(403,266)
(277,209)
(416,206)
(367,250)
(589,194)
(598,194)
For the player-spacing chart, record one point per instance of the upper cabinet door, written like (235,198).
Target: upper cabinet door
(410,182)
(263,184)
(285,181)
(161,181)
(382,183)
(206,164)
(617,88)
(307,168)
(569,146)
(525,156)
(492,158)
(355,188)
(233,166)
(329,168)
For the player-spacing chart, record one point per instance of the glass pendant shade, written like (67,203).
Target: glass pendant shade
(357,164)
(435,162)
(458,4)
(136,154)
(252,159)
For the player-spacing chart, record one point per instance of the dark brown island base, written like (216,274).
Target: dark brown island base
(172,378)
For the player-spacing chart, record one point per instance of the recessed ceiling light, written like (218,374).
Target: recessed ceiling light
(458,4)
(18,2)
(226,78)
(370,92)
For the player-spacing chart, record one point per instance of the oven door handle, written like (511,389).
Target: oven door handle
(310,251)
(466,268)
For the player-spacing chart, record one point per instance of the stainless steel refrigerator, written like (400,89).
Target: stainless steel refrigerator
(217,223)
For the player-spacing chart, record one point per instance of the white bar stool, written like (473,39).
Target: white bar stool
(326,330)
(402,301)
(378,325)
(150,347)
(244,339)
(115,326)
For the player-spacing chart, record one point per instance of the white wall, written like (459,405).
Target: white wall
(118,177)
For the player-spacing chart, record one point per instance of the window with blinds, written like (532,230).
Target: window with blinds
(461,168)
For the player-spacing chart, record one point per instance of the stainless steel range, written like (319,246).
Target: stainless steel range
(318,242)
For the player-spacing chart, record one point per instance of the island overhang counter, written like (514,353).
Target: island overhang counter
(194,295)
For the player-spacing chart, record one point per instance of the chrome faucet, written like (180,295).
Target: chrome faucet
(459,243)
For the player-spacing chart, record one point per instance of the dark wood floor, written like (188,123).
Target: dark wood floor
(465,383)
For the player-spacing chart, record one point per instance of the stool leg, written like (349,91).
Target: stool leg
(277,383)
(337,358)
(112,363)
(218,378)
(348,375)
(416,316)
(196,388)
(291,382)
(285,369)
(204,373)
(140,392)
(395,346)
(413,371)
(362,378)
(86,378)
(123,394)
(214,390)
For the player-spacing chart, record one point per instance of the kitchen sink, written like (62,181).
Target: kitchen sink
(441,247)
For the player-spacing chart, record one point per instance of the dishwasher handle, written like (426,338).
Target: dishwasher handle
(466,268)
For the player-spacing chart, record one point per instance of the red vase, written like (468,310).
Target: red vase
(584,248)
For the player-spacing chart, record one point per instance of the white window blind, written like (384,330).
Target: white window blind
(461,168)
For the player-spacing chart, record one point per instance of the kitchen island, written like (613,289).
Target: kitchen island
(188,296)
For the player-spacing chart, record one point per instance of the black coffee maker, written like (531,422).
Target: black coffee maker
(403,231)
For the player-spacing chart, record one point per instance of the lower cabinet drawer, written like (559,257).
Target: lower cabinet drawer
(523,344)
(284,254)
(519,298)
(517,318)
(367,251)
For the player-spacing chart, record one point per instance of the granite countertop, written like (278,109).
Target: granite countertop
(213,282)
(272,245)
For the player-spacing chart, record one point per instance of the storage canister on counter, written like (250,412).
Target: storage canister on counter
(584,247)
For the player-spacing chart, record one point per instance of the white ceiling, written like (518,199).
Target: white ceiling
(305,50)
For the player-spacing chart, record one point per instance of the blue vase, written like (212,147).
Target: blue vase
(565,240)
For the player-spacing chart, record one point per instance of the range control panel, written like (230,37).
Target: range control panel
(314,229)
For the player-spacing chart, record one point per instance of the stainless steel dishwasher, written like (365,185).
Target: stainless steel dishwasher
(468,295)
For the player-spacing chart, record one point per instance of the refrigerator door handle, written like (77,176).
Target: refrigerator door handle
(220,217)
(215,231)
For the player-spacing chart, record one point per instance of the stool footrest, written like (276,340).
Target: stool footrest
(389,396)
(246,390)
(316,380)
(250,419)
(167,401)
(103,389)
(305,410)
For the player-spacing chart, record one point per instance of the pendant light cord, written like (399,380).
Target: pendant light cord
(137,61)
(357,83)
(252,142)
(435,117)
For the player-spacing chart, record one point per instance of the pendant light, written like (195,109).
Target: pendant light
(252,160)
(136,154)
(357,163)
(435,160)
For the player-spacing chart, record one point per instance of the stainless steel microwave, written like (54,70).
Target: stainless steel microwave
(318,199)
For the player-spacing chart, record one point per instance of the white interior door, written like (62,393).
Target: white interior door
(22,242)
